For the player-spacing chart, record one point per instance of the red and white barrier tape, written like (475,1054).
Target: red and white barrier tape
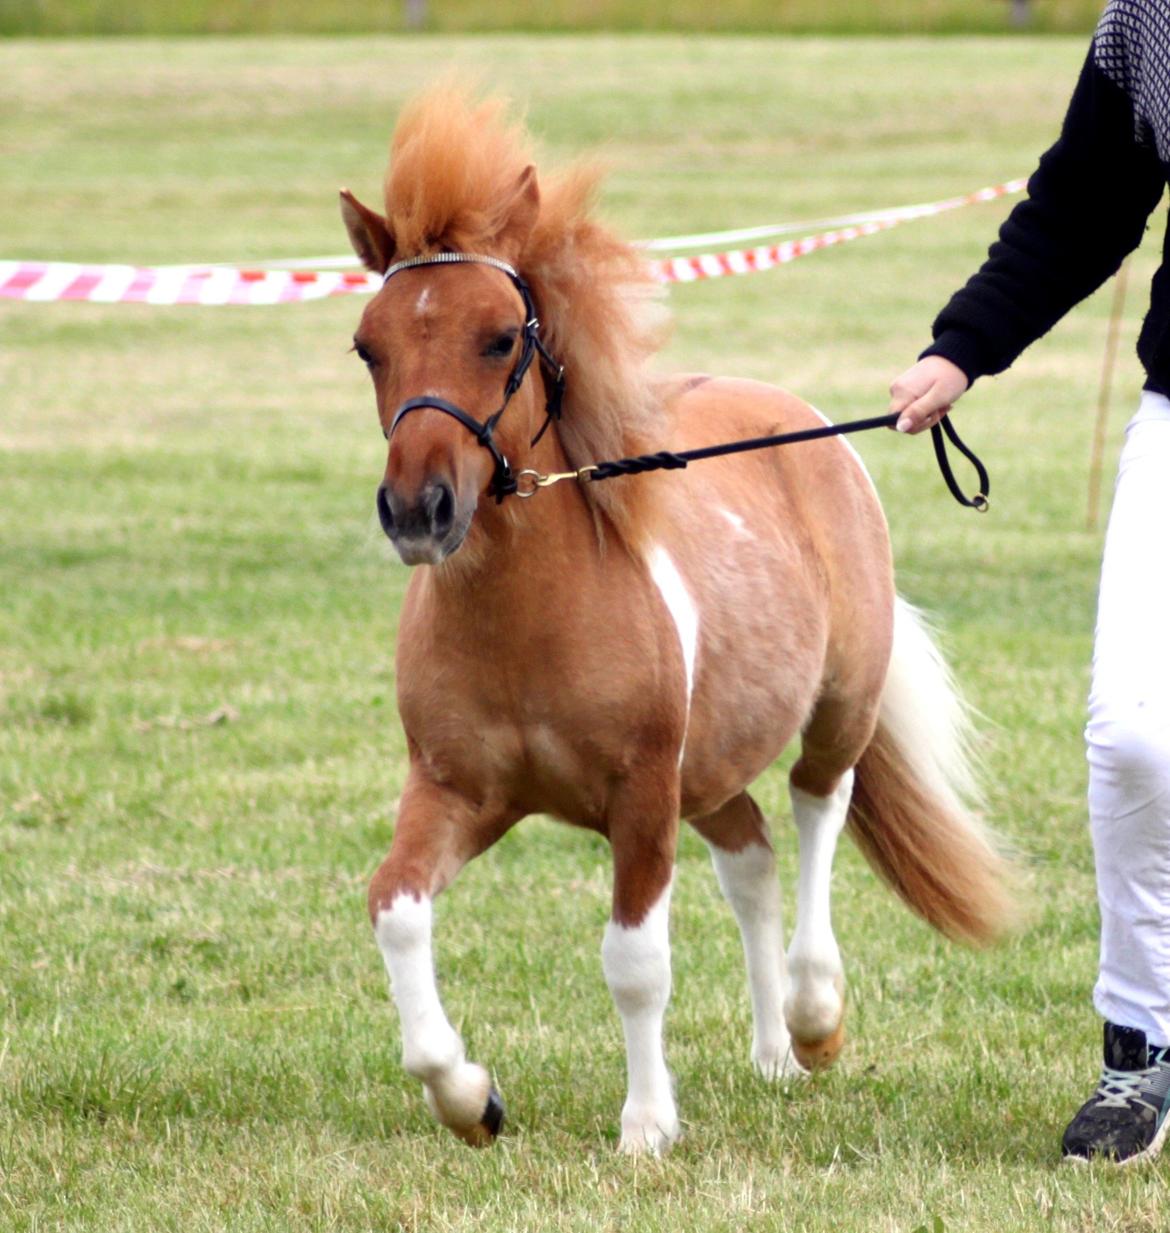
(722,239)
(41,281)
(45,281)
(751,260)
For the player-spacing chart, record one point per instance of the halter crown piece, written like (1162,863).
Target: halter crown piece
(503,481)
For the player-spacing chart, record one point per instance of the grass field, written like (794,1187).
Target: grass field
(199,754)
(105,17)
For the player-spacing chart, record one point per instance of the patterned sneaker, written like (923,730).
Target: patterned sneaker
(1125,1119)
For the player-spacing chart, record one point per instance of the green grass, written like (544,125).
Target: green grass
(88,17)
(195,1031)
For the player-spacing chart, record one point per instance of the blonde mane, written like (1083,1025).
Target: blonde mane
(452,184)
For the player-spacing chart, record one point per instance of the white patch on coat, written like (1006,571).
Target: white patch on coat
(849,446)
(636,962)
(683,613)
(737,523)
(423,302)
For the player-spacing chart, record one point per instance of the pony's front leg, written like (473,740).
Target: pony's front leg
(437,833)
(815,1005)
(635,954)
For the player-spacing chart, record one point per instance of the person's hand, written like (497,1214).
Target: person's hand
(922,395)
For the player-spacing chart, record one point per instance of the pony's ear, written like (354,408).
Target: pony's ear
(371,238)
(521,216)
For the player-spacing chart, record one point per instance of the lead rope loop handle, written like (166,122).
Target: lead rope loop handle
(979,502)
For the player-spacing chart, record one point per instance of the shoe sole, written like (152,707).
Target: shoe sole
(1147,1153)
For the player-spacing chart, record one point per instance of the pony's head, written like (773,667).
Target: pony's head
(449,341)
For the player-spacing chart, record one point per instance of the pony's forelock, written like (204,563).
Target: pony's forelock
(454,167)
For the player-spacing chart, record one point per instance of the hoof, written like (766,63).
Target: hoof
(484,1132)
(818,1054)
(648,1130)
(777,1063)
(647,1141)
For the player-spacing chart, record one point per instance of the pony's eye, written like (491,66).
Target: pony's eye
(501,346)
(363,354)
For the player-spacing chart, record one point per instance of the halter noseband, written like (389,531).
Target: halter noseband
(503,481)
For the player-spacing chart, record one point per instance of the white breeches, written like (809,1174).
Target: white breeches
(1128,734)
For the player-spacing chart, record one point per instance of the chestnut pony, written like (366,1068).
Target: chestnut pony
(621,655)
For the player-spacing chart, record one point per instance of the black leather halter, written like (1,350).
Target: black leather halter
(503,481)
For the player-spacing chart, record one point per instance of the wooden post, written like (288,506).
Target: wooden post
(416,14)
(1021,13)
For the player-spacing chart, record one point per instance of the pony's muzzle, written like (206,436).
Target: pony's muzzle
(424,530)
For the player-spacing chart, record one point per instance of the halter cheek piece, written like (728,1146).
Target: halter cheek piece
(503,481)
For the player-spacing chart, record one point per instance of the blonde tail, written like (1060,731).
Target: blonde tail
(909,813)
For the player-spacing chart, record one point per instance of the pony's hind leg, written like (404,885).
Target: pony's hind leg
(437,833)
(815,1006)
(821,785)
(745,867)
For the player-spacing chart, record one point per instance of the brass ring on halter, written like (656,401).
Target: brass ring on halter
(585,474)
(981,503)
(527,483)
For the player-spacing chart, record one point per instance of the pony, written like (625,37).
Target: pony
(625,655)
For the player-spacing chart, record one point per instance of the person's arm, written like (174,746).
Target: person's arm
(1086,208)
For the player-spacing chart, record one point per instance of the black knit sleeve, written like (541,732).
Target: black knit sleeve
(1087,206)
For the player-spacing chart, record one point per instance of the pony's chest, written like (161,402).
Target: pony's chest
(548,706)
(538,756)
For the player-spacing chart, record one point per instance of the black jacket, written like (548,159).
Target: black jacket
(1087,206)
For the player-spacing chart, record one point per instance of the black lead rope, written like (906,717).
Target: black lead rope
(666,460)
(526,483)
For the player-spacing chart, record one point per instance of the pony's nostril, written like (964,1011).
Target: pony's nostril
(441,507)
(385,517)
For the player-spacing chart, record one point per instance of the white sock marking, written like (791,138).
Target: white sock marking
(457,1090)
(637,969)
(815,1003)
(749,884)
